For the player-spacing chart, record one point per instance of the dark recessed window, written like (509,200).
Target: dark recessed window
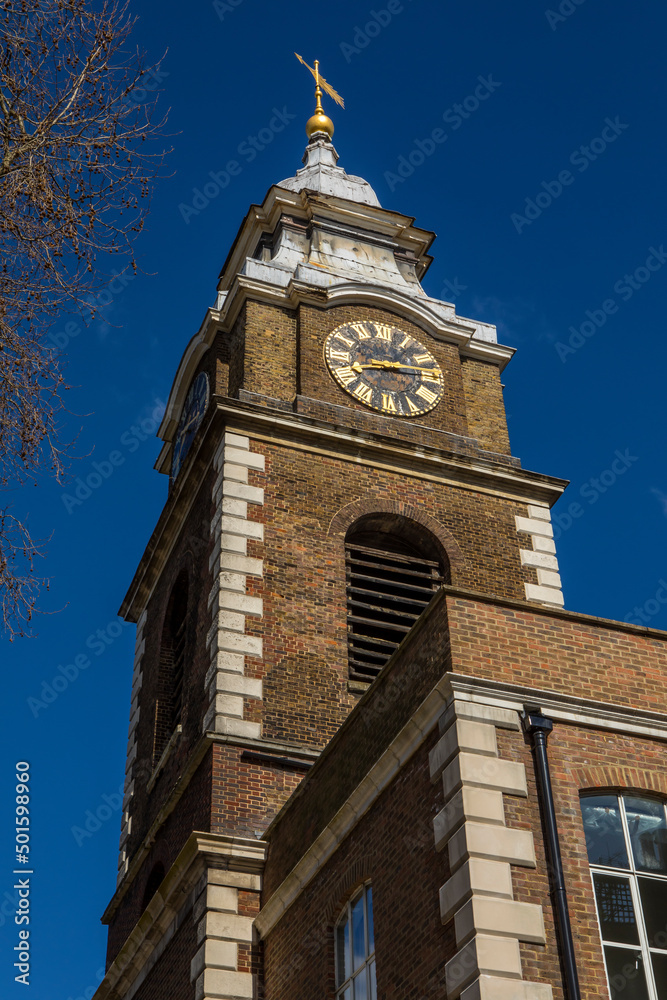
(153,883)
(390,580)
(169,703)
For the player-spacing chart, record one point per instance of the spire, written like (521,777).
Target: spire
(320,171)
(320,123)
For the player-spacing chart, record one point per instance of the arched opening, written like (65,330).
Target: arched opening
(153,883)
(393,568)
(169,702)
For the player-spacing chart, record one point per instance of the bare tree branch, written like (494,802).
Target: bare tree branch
(77,166)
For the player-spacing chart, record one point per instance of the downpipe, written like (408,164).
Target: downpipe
(537,728)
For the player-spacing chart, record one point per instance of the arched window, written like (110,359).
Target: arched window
(153,883)
(355,949)
(626,840)
(169,703)
(393,568)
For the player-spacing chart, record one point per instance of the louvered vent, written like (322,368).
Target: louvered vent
(169,702)
(386,593)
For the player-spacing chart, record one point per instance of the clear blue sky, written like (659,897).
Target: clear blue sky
(553,84)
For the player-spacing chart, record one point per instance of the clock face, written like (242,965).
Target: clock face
(384,368)
(193,411)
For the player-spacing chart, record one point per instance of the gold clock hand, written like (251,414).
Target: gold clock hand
(391,364)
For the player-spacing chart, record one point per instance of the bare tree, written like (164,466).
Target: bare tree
(77,164)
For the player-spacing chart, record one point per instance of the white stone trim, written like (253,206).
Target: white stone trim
(203,881)
(488,922)
(227,642)
(128,796)
(220,930)
(542,557)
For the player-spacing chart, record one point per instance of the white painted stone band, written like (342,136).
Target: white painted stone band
(220,930)
(488,922)
(229,602)
(542,557)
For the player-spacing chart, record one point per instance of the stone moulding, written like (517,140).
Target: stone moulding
(201,885)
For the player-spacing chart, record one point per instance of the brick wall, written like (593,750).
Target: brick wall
(393,843)
(170,977)
(621,665)
(190,553)
(485,407)
(393,847)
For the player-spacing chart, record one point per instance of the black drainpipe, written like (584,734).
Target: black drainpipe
(537,727)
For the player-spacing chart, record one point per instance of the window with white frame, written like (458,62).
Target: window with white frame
(626,840)
(355,949)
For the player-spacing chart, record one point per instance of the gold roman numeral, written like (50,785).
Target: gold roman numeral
(346,340)
(384,332)
(361,330)
(339,355)
(411,405)
(426,394)
(345,374)
(364,392)
(421,358)
(388,403)
(406,340)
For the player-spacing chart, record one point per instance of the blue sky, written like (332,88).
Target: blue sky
(548,197)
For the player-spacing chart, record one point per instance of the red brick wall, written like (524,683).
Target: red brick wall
(190,552)
(246,794)
(393,847)
(485,407)
(193,812)
(170,977)
(618,665)
(610,763)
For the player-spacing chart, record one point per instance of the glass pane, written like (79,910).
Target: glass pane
(615,909)
(605,842)
(371,931)
(360,985)
(344,969)
(626,974)
(648,833)
(358,933)
(653,894)
(347,995)
(660,974)
(374,985)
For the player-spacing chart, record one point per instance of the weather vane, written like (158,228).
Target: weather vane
(319,121)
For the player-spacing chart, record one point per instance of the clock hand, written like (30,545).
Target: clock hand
(390,364)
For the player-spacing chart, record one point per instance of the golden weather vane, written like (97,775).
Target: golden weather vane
(319,121)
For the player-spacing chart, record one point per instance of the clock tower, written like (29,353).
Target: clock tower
(336,449)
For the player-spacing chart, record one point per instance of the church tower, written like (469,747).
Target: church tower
(336,449)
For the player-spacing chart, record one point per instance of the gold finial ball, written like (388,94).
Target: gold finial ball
(319,123)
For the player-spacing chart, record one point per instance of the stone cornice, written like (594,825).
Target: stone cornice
(306,433)
(171,904)
(306,205)
(562,708)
